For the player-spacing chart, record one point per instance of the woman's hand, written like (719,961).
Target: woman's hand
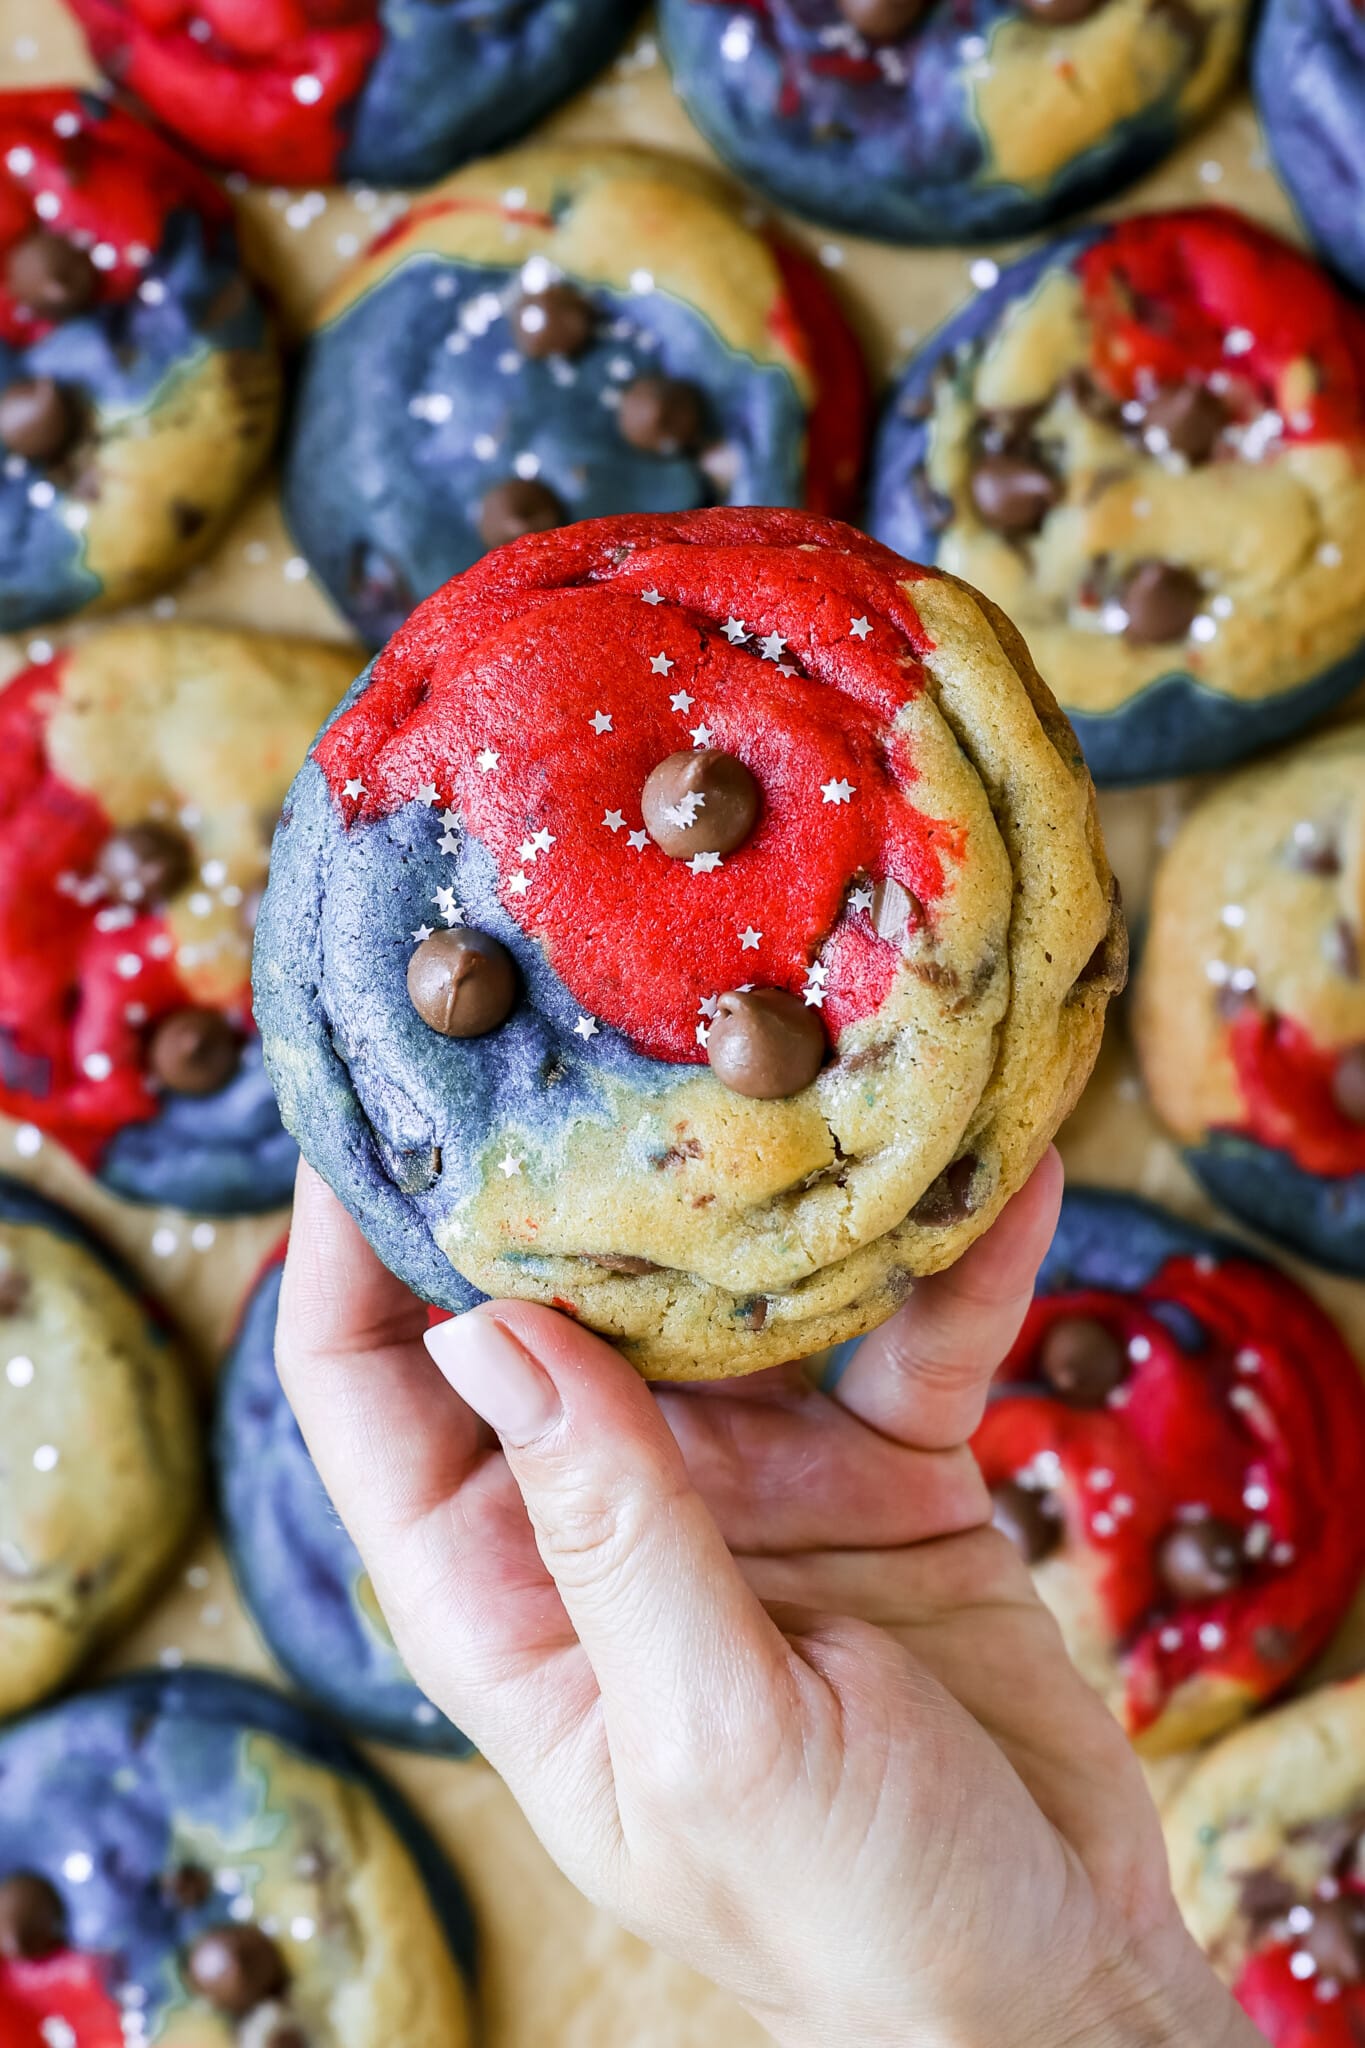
(767,1684)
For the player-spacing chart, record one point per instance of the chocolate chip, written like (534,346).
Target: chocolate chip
(949,1198)
(558,321)
(893,907)
(1263,1895)
(188,1886)
(1274,1643)
(1081,1361)
(51,276)
(765,1043)
(146,863)
(753,1312)
(1092,399)
(1027,1519)
(462,983)
(699,802)
(662,416)
(194,1051)
(414,1170)
(1336,1939)
(1013,494)
(32,1918)
(1061,13)
(621,1262)
(1005,429)
(1348,1084)
(187,519)
(1341,950)
(37,419)
(235,1967)
(516,506)
(1201,1560)
(1313,851)
(1186,418)
(882,21)
(1162,602)
(14,1289)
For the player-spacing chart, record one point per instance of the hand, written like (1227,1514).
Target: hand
(767,1684)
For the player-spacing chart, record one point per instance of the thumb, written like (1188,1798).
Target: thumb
(671,1630)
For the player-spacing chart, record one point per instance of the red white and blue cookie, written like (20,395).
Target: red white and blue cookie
(1267,1848)
(191,1860)
(308,92)
(699,923)
(1250,1007)
(924,121)
(1308,74)
(141,774)
(1176,1444)
(139,380)
(297,1569)
(1147,442)
(552,335)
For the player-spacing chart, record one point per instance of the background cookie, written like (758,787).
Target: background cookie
(631,1133)
(141,774)
(1250,1006)
(198,1850)
(310,91)
(1176,1444)
(139,381)
(1308,68)
(1267,1845)
(99,1448)
(553,335)
(298,1570)
(1147,443)
(925,122)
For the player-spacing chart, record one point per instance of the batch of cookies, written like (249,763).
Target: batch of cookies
(698,920)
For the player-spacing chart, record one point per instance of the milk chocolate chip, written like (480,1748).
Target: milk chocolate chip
(235,1967)
(1348,1084)
(194,1051)
(462,983)
(32,1918)
(1201,1560)
(1336,1939)
(1022,1514)
(1186,418)
(1162,602)
(949,1198)
(146,863)
(37,420)
(1081,1361)
(557,321)
(50,275)
(14,1289)
(662,416)
(699,802)
(882,21)
(516,506)
(1013,494)
(765,1043)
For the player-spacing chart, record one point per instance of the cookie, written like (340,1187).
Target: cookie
(99,1448)
(1308,74)
(307,92)
(1147,443)
(141,774)
(1250,1006)
(698,923)
(189,1858)
(1176,1445)
(1267,1846)
(139,376)
(924,122)
(553,335)
(297,1569)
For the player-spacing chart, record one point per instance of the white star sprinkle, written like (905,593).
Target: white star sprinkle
(680,701)
(704,863)
(709,1005)
(735,630)
(487,761)
(444,899)
(451,820)
(860,899)
(355,787)
(600,721)
(701,735)
(518,884)
(859,628)
(428,794)
(749,940)
(652,596)
(510,1164)
(527,850)
(449,842)
(586,1027)
(772,646)
(660,664)
(815,997)
(637,841)
(542,840)
(817,971)
(836,792)
(422,934)
(615,821)
(703,1033)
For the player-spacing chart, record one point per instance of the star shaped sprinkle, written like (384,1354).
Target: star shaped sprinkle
(860,899)
(444,899)
(817,971)
(815,997)
(510,1164)
(701,735)
(614,821)
(586,1027)
(773,646)
(652,596)
(451,820)
(703,1033)
(527,850)
(660,664)
(355,787)
(542,840)
(600,721)
(637,841)
(704,863)
(735,630)
(749,940)
(684,812)
(449,842)
(836,792)
(422,933)
(427,794)
(518,884)
(487,761)
(709,1005)
(859,628)
(680,701)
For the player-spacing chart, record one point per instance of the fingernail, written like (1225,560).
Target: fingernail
(500,1380)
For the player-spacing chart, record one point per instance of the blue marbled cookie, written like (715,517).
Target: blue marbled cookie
(1308,74)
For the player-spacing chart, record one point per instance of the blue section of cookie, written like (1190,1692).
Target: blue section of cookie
(225,1154)
(1308,74)
(1320,1217)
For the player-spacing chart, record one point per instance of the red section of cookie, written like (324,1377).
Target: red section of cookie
(539,690)
(1261,1426)
(1291,2011)
(1204,293)
(1287,1085)
(267,80)
(74,168)
(808,321)
(65,1987)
